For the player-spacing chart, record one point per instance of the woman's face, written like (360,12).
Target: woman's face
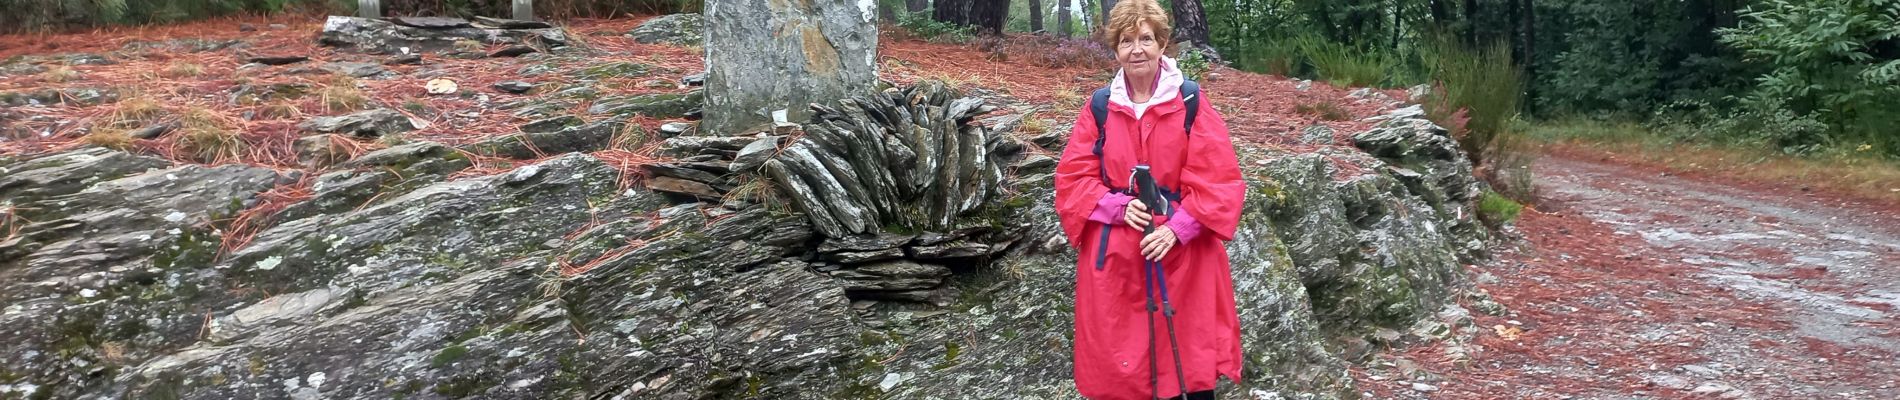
(1138,51)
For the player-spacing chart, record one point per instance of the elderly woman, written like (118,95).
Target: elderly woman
(1142,334)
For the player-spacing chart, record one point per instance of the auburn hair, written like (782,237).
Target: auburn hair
(1129,14)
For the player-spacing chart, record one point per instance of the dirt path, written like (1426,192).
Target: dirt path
(1633,283)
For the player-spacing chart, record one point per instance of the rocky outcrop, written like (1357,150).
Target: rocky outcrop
(384,277)
(674,29)
(1429,162)
(766,56)
(436,35)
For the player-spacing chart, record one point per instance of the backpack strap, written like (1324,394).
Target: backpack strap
(1191,94)
(1098,107)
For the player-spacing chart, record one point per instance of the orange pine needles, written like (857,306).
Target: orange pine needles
(244,227)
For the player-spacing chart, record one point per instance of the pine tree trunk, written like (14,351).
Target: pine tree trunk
(1530,58)
(1511,16)
(1471,23)
(1035,16)
(1190,22)
(1440,16)
(1065,22)
(990,15)
(1398,23)
(916,6)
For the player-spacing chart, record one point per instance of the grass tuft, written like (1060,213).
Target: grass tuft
(59,75)
(1033,125)
(1325,110)
(136,110)
(1346,66)
(631,137)
(757,189)
(208,137)
(278,110)
(111,138)
(342,95)
(182,70)
(468,46)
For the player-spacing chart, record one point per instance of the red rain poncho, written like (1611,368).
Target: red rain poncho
(1111,338)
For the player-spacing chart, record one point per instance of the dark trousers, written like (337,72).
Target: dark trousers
(1201,395)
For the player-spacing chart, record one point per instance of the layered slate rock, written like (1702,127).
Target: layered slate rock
(550,136)
(767,55)
(364,124)
(85,229)
(656,105)
(901,159)
(436,35)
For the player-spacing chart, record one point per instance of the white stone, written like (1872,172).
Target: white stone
(890,381)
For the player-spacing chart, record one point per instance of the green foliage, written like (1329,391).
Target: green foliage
(1496,210)
(1752,124)
(1194,64)
(1609,60)
(919,24)
(1823,72)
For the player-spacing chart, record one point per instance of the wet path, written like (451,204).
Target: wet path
(1635,284)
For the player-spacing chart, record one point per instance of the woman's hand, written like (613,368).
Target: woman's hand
(1156,245)
(1136,215)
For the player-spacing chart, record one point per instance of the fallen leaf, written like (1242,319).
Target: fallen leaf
(440,86)
(1507,332)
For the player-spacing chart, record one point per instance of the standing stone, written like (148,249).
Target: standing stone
(369,8)
(524,10)
(768,55)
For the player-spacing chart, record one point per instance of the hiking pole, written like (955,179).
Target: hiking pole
(1149,193)
(1167,312)
(1148,291)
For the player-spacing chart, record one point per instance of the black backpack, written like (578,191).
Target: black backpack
(1098,107)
